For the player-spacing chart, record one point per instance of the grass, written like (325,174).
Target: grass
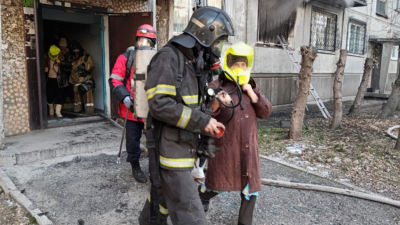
(32,220)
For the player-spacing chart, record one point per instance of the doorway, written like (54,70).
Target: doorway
(86,29)
(104,36)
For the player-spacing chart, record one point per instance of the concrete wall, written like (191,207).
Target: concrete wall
(164,29)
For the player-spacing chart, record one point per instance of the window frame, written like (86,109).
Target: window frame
(384,14)
(336,28)
(190,13)
(395,50)
(359,24)
(262,43)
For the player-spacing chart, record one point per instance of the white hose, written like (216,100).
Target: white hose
(389,131)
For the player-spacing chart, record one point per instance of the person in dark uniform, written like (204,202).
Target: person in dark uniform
(175,103)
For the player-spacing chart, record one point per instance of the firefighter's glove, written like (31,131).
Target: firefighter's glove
(207,148)
(128,102)
(81,67)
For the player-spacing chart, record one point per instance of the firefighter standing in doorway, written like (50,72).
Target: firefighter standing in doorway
(120,84)
(177,77)
(82,66)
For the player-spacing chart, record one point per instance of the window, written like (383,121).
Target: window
(270,25)
(395,53)
(323,30)
(181,15)
(215,3)
(381,7)
(356,38)
(183,10)
(398,5)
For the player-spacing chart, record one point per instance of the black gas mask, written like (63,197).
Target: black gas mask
(76,53)
(212,56)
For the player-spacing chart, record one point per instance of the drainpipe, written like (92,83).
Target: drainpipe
(2,137)
(154,10)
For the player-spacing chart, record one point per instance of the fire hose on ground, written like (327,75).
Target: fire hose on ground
(328,189)
(389,132)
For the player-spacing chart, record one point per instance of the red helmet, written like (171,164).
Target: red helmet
(146,31)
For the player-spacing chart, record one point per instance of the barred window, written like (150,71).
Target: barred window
(381,7)
(356,38)
(323,30)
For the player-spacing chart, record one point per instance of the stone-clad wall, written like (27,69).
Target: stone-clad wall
(16,105)
(118,6)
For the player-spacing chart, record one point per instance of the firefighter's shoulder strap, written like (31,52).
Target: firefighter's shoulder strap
(129,63)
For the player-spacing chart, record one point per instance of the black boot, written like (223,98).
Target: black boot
(205,202)
(137,172)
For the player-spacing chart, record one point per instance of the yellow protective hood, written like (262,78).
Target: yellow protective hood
(53,52)
(239,49)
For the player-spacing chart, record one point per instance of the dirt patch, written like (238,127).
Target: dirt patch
(11,213)
(358,152)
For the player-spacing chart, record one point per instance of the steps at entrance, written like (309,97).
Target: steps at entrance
(58,142)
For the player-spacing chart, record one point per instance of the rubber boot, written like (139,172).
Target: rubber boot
(58,111)
(137,172)
(206,203)
(51,109)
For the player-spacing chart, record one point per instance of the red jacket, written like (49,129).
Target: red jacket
(118,89)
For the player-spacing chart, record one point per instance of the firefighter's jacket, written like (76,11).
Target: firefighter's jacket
(81,69)
(121,85)
(176,109)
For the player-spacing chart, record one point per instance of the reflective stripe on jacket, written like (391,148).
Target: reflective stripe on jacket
(180,115)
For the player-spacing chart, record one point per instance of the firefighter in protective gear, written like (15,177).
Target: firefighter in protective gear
(82,66)
(120,84)
(177,76)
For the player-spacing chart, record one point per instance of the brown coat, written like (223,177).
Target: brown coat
(238,162)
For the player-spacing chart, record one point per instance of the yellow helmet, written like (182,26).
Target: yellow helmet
(53,52)
(239,50)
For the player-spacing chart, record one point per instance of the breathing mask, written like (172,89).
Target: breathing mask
(213,54)
(239,52)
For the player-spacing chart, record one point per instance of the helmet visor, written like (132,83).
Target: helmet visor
(141,41)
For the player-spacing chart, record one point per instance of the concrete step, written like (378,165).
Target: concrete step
(58,142)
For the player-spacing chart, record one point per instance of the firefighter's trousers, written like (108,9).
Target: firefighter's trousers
(87,99)
(179,198)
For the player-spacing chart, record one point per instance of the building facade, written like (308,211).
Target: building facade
(368,28)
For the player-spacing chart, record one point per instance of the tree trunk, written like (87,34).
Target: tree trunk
(397,146)
(398,106)
(368,66)
(337,90)
(308,56)
(393,101)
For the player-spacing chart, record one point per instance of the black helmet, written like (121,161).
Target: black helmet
(207,24)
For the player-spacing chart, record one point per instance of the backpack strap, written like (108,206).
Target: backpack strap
(129,63)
